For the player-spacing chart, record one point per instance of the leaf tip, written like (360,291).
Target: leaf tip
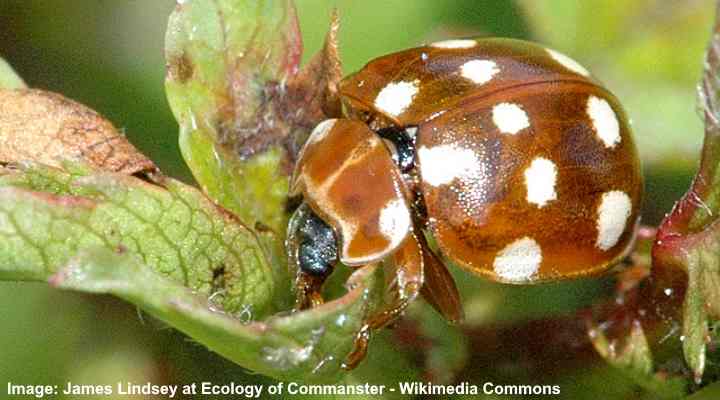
(9,79)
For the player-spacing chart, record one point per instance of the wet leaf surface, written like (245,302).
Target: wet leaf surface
(168,249)
(307,345)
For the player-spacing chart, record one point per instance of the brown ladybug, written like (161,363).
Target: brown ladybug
(518,163)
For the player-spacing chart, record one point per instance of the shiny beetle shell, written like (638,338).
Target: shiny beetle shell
(525,166)
(346,175)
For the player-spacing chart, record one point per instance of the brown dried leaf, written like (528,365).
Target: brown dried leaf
(316,86)
(48,128)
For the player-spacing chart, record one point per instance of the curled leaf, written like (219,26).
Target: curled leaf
(243,108)
(308,345)
(315,87)
(174,253)
(688,240)
(48,215)
(226,61)
(48,128)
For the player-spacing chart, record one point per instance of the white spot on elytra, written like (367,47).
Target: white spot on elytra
(510,118)
(479,71)
(318,134)
(519,260)
(395,221)
(395,98)
(441,164)
(613,212)
(455,44)
(604,121)
(568,62)
(540,179)
(321,131)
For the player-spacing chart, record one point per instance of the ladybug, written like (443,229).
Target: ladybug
(518,164)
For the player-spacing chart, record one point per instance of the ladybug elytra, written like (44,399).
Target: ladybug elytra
(516,161)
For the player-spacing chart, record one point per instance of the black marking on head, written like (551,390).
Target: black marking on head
(317,252)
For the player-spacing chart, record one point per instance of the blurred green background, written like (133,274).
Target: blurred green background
(108,55)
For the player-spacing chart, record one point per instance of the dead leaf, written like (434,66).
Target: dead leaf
(48,128)
(316,86)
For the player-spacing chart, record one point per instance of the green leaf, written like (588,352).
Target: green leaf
(47,215)
(688,240)
(633,357)
(8,78)
(170,250)
(226,61)
(164,245)
(695,323)
(234,85)
(307,346)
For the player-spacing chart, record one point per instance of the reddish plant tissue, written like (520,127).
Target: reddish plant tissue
(670,296)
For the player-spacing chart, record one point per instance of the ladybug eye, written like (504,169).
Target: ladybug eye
(401,142)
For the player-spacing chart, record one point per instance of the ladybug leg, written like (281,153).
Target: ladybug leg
(308,291)
(439,289)
(404,278)
(312,249)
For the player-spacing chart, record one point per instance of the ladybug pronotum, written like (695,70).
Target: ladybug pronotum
(518,163)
